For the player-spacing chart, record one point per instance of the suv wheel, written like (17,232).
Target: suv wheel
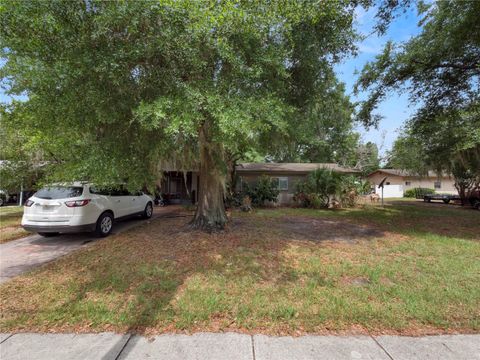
(104,225)
(148,212)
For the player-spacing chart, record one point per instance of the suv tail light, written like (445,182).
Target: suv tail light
(77,203)
(29,203)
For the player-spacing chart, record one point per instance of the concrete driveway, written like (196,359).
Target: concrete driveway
(22,255)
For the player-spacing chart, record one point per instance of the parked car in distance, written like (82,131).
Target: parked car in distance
(473,198)
(82,207)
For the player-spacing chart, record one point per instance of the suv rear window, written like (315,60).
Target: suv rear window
(59,192)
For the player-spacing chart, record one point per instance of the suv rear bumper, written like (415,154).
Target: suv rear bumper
(60,228)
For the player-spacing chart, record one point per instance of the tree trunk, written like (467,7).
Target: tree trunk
(210,215)
(231,160)
(461,192)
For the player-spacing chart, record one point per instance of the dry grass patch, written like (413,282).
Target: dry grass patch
(11,233)
(10,218)
(327,272)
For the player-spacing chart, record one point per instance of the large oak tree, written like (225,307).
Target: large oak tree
(115,89)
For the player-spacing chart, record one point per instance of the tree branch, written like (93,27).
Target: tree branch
(475,65)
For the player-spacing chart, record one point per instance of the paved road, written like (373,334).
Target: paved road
(19,256)
(233,346)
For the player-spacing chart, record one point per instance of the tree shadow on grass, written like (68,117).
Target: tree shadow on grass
(424,219)
(167,278)
(403,218)
(159,277)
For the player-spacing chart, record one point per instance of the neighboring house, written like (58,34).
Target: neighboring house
(398,181)
(182,187)
(287,175)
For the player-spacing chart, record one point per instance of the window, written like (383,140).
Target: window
(437,185)
(59,192)
(408,183)
(109,191)
(282,183)
(120,191)
(99,191)
(387,183)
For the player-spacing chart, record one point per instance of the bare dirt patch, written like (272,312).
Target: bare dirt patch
(318,229)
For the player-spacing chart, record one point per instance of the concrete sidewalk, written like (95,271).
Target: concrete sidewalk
(234,346)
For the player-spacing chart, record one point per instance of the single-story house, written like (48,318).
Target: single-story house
(288,175)
(182,186)
(398,181)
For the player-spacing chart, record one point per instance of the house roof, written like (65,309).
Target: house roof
(405,173)
(291,167)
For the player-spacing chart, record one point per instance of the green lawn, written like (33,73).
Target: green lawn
(10,217)
(408,268)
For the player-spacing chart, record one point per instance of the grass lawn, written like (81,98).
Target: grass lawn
(10,217)
(409,268)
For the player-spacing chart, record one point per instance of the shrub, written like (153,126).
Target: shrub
(350,188)
(265,190)
(233,199)
(322,186)
(418,192)
(317,189)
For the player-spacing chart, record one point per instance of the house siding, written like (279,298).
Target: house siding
(447,183)
(185,189)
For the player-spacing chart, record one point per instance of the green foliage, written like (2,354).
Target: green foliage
(323,185)
(466,170)
(408,154)
(118,91)
(265,189)
(318,188)
(350,187)
(322,130)
(447,135)
(447,142)
(418,192)
(440,69)
(21,156)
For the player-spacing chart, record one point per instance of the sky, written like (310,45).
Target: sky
(396,108)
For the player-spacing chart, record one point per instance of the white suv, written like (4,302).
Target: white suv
(81,207)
